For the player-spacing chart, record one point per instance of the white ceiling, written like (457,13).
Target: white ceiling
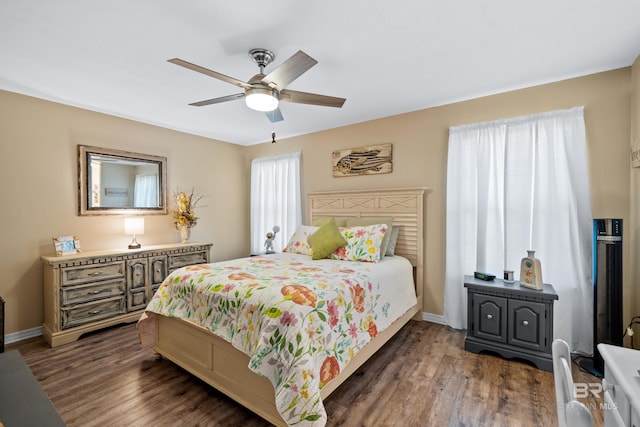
(385,57)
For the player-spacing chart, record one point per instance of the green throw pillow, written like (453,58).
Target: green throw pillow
(325,240)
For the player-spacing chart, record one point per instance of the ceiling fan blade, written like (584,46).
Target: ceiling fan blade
(209,73)
(274,116)
(218,100)
(289,70)
(311,98)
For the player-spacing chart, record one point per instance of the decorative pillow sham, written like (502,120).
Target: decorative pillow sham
(393,239)
(363,243)
(366,220)
(325,240)
(298,244)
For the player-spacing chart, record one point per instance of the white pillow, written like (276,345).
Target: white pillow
(298,243)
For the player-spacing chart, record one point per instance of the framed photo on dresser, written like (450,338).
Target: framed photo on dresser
(66,245)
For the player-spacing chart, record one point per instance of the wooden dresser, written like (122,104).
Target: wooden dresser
(93,290)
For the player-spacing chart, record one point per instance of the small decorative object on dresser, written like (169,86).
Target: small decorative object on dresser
(510,320)
(66,245)
(268,244)
(508,276)
(184,216)
(83,293)
(531,271)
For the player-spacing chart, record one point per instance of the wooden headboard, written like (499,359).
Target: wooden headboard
(405,205)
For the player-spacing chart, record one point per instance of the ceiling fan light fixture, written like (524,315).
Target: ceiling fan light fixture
(261,99)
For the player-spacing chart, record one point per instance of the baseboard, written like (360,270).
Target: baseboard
(22,335)
(433,318)
(36,332)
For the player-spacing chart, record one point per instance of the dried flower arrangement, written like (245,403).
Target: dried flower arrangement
(184,215)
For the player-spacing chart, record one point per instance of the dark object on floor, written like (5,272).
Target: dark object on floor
(22,400)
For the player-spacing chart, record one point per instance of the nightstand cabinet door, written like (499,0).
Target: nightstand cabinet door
(528,325)
(490,317)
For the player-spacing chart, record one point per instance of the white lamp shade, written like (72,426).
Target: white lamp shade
(261,99)
(133,226)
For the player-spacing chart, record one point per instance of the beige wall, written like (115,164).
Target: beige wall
(420,153)
(38,164)
(38,193)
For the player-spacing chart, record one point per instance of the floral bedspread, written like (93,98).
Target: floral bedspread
(299,321)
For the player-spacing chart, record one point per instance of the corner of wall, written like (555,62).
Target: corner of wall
(635,190)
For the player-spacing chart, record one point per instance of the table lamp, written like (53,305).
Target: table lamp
(133,227)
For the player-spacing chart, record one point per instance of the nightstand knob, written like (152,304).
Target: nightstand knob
(525,322)
(489,316)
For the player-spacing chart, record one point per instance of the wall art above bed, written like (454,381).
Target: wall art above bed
(369,160)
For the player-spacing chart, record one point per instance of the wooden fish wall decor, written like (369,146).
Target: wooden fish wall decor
(369,160)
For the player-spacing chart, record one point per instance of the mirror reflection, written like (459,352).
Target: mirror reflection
(119,182)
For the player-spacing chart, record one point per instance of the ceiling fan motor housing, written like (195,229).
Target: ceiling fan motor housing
(262,57)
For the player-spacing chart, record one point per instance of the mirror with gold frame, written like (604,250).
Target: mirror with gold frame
(115,182)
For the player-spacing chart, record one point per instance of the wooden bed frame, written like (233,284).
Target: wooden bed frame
(218,363)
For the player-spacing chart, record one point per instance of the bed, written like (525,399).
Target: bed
(369,324)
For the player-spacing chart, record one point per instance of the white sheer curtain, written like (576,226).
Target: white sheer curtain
(515,185)
(145,191)
(275,199)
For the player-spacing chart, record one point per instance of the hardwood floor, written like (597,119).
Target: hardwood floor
(422,377)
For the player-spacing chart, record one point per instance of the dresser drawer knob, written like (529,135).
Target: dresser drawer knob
(98,291)
(95,312)
(489,316)
(96,273)
(525,322)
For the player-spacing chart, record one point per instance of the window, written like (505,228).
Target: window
(275,199)
(515,185)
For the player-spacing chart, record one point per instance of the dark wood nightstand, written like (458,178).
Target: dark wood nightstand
(511,320)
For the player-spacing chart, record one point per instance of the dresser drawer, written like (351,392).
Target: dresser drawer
(91,312)
(92,291)
(91,273)
(181,260)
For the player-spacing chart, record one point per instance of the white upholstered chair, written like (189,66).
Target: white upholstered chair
(571,412)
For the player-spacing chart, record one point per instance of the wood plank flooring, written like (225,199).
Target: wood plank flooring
(422,377)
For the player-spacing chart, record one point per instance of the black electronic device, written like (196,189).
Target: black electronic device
(484,276)
(607,290)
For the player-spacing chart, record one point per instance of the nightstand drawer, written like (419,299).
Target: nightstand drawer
(91,273)
(90,292)
(91,312)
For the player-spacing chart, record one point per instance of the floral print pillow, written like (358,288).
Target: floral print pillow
(298,243)
(363,243)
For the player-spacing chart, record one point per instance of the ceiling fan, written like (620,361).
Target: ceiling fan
(263,92)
